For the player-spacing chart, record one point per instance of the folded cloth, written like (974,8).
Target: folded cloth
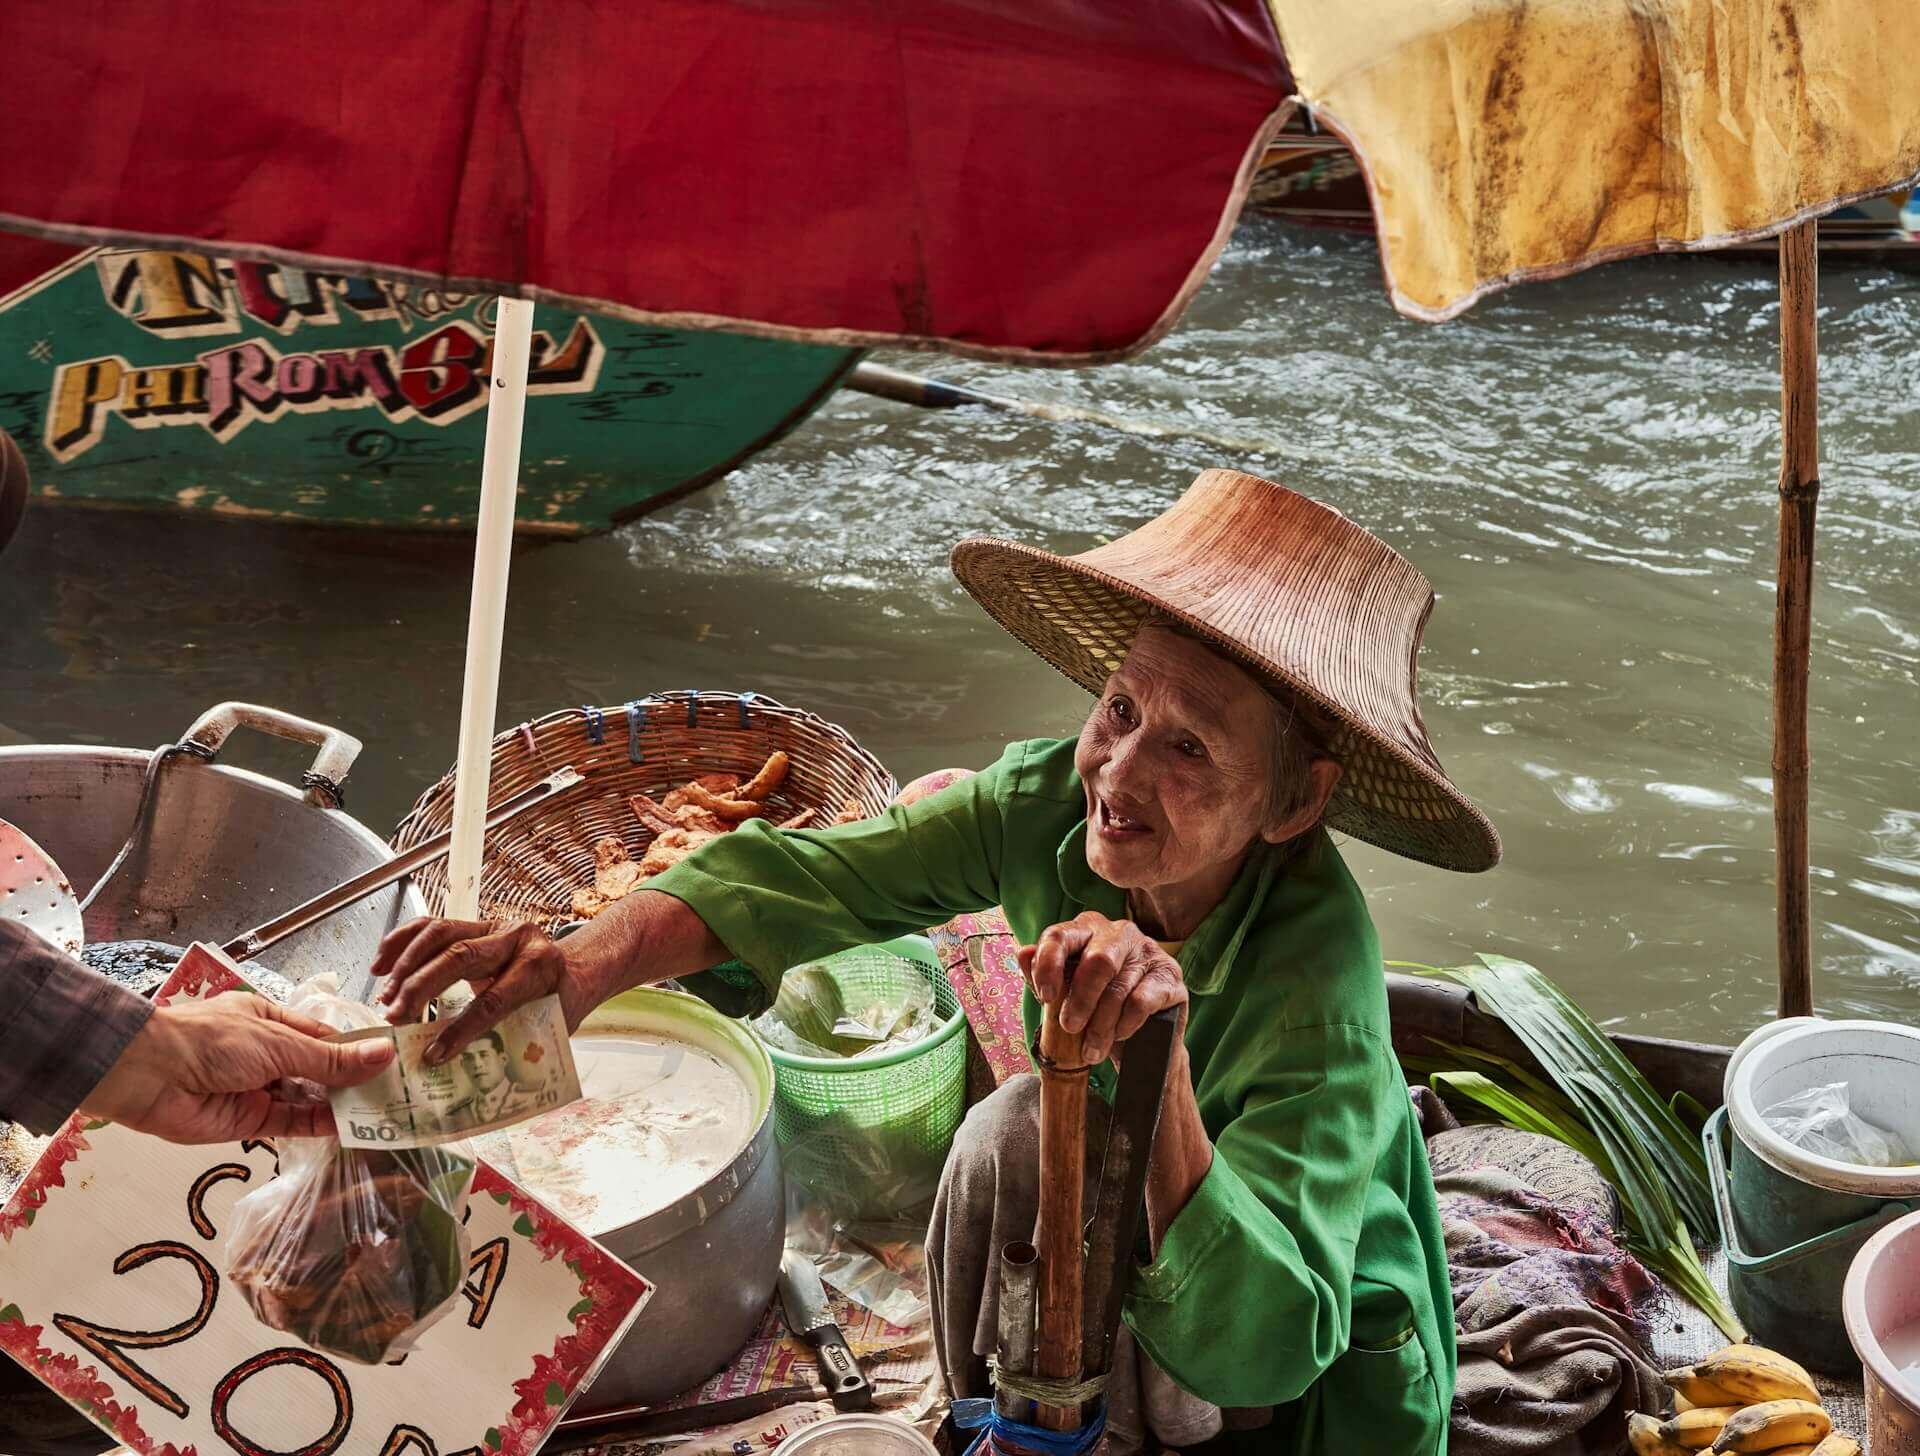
(1552,1380)
(1550,1313)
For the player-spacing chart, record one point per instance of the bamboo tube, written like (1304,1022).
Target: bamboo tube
(1793,610)
(1019,1288)
(1063,1155)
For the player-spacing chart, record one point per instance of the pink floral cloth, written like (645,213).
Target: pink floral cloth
(978,953)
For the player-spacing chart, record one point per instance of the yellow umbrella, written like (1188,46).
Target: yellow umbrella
(1509,140)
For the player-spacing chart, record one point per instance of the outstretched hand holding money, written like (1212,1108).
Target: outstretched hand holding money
(644,938)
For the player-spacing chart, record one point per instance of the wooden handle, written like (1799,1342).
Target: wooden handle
(1063,1154)
(1793,610)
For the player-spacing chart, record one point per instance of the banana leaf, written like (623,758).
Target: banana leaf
(1601,1107)
(1594,1075)
(1517,1111)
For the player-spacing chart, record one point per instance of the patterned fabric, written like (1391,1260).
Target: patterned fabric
(1552,1316)
(1511,1248)
(978,952)
(1549,1167)
(61,1026)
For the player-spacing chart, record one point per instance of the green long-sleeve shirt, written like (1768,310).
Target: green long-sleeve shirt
(1308,1267)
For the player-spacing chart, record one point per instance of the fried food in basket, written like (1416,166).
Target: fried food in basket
(685,818)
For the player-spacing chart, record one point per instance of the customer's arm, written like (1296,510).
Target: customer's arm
(197,1072)
(63,1026)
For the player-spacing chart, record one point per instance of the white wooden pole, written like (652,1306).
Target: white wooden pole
(487,614)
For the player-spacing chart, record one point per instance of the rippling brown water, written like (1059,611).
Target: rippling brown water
(1585,470)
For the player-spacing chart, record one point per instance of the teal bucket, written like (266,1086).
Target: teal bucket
(1792,1220)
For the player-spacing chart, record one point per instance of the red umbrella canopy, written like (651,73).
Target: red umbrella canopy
(1028,178)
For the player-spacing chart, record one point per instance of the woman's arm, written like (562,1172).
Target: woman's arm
(770,898)
(1107,977)
(1249,1298)
(1182,1151)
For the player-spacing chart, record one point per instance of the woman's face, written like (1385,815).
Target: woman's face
(1176,759)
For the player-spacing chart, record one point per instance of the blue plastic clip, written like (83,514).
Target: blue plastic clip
(596,724)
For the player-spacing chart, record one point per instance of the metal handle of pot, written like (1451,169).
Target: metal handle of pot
(263,937)
(1713,1138)
(324,781)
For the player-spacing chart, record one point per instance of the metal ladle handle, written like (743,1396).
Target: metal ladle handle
(264,937)
(324,781)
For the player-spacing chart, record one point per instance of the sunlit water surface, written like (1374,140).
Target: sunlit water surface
(1584,469)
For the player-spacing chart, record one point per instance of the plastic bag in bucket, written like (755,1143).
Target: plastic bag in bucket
(356,1253)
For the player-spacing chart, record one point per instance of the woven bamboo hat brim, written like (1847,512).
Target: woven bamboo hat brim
(1292,590)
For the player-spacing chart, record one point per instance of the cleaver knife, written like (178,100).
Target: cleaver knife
(805,1302)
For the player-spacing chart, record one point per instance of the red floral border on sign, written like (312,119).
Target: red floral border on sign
(45,1174)
(609,1290)
(79,1385)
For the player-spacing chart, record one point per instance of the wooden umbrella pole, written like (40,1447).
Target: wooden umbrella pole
(1793,609)
(1063,1156)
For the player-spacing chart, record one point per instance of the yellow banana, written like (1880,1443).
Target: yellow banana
(1693,1387)
(1644,1436)
(1773,1424)
(1837,1443)
(1698,1428)
(1752,1375)
(1794,1451)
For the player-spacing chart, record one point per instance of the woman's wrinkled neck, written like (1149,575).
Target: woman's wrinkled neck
(1174,912)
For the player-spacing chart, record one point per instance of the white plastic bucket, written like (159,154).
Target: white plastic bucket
(1880,1063)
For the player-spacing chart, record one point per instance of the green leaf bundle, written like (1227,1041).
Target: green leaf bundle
(1604,1109)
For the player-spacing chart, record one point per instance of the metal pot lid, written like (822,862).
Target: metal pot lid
(858,1435)
(34,892)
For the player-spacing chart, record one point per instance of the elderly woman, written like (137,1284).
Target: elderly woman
(1252,656)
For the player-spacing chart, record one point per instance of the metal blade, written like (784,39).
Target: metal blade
(802,1295)
(1123,1185)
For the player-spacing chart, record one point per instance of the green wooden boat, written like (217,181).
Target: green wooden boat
(172,380)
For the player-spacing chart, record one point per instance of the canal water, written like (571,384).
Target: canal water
(1585,470)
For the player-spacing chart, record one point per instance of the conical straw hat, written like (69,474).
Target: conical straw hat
(1292,590)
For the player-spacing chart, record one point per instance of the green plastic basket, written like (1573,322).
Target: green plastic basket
(868,1135)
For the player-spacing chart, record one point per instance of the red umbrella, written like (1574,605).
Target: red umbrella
(1047,177)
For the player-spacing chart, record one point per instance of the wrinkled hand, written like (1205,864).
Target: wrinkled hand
(1105,978)
(507,966)
(207,1072)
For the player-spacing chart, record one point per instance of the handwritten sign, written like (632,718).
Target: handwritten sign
(111,1293)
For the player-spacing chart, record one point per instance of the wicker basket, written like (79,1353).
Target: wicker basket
(650,746)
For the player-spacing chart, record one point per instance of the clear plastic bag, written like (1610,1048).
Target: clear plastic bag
(1820,1121)
(820,1013)
(356,1253)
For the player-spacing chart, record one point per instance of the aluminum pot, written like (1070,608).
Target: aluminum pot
(713,1256)
(221,850)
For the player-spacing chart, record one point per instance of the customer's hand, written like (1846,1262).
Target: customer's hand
(208,1072)
(1104,977)
(507,966)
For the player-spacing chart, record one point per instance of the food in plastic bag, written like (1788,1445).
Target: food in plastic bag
(817,1014)
(1820,1121)
(355,1252)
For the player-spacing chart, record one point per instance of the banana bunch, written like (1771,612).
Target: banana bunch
(1742,1399)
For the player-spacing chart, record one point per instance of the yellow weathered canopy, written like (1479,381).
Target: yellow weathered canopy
(1512,139)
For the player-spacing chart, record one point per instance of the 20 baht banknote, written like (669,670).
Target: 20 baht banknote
(520,1069)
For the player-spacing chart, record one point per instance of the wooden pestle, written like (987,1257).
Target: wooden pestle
(1063,1153)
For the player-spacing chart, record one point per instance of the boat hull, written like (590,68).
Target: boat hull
(171,380)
